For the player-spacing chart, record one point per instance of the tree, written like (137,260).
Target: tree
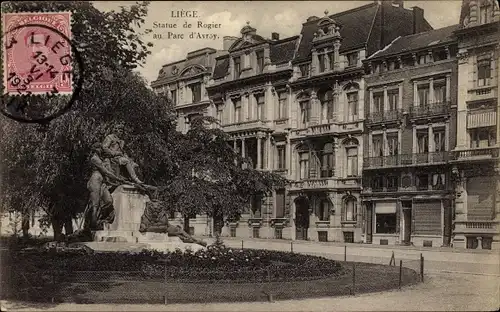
(212,178)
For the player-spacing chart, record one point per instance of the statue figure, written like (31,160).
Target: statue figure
(155,219)
(100,205)
(112,148)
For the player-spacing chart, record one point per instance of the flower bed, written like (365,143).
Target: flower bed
(216,263)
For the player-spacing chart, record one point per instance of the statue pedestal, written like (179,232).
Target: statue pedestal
(123,234)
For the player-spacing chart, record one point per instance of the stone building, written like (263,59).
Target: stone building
(476,158)
(250,100)
(326,118)
(185,82)
(410,122)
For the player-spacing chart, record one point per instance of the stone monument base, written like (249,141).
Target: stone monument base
(123,234)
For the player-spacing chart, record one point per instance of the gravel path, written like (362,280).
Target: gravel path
(440,292)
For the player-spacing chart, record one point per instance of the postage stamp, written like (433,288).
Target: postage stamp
(37,53)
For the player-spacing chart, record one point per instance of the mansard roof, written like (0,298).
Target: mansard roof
(418,41)
(361,27)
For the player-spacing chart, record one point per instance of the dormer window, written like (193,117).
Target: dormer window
(304,70)
(485,13)
(322,62)
(352,58)
(260,61)
(237,67)
(331,59)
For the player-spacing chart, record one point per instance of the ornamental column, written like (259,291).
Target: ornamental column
(259,153)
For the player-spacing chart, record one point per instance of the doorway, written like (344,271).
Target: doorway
(301,218)
(406,205)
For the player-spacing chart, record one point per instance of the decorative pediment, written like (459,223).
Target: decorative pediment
(192,71)
(328,28)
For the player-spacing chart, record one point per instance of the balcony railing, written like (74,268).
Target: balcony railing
(384,116)
(476,227)
(477,153)
(431,109)
(405,160)
(482,118)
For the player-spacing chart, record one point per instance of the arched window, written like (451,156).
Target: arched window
(350,208)
(327,105)
(324,210)
(327,161)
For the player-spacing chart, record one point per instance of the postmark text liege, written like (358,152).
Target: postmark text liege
(37,60)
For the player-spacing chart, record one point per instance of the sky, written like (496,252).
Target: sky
(283,17)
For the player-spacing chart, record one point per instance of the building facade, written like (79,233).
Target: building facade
(410,109)
(185,82)
(476,161)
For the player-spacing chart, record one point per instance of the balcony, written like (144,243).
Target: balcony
(477,154)
(481,118)
(246,125)
(328,128)
(385,116)
(313,184)
(476,227)
(429,110)
(405,160)
(483,93)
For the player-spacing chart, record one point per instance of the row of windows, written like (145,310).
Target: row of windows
(237,61)
(424,181)
(391,146)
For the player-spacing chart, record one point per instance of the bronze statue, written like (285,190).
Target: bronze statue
(100,205)
(112,148)
(155,219)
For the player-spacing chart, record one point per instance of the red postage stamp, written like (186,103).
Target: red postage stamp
(37,53)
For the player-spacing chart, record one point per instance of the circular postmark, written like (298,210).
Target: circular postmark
(40,80)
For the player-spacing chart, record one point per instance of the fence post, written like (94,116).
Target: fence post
(345,253)
(241,244)
(400,272)
(291,246)
(393,260)
(165,282)
(421,267)
(353,292)
(269,292)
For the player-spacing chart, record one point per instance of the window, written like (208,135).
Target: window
(438,181)
(237,67)
(352,106)
(377,183)
(280,203)
(392,144)
(278,233)
(483,137)
(324,210)
(378,102)
(423,142)
(173,94)
(322,62)
(352,161)
(195,92)
(439,92)
(219,113)
(484,14)
(260,61)
(483,71)
(326,99)
(386,223)
(392,183)
(350,209)
(393,98)
(422,182)
(281,156)
(327,161)
(439,140)
(304,165)
(255,232)
(423,95)
(305,111)
(237,110)
(232,231)
(352,58)
(377,145)
(304,70)
(256,206)
(260,107)
(282,106)
(331,59)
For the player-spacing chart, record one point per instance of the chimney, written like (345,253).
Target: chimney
(227,42)
(418,19)
(275,36)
